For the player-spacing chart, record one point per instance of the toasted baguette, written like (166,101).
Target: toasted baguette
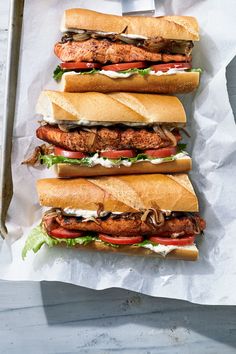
(120,193)
(66,170)
(115,107)
(168,84)
(169,27)
(178,253)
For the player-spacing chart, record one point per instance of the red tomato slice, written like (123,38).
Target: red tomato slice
(116,154)
(173,241)
(125,66)
(121,240)
(60,232)
(80,65)
(163,152)
(66,153)
(166,67)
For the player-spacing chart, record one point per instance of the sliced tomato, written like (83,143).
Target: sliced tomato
(125,66)
(166,67)
(116,154)
(60,232)
(121,240)
(163,152)
(80,65)
(66,153)
(173,241)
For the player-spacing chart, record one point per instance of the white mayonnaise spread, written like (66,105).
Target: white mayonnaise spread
(117,75)
(131,36)
(164,250)
(93,213)
(88,123)
(108,163)
(86,213)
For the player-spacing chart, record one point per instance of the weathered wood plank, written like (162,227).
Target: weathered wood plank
(70,319)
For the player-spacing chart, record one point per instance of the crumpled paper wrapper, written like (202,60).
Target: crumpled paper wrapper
(213,143)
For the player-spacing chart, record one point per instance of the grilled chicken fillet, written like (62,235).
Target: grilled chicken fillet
(104,51)
(131,225)
(99,139)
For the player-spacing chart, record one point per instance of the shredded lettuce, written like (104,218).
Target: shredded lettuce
(58,72)
(38,237)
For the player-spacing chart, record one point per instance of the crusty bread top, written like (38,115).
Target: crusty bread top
(169,27)
(120,193)
(114,107)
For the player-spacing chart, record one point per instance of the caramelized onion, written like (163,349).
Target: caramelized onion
(38,151)
(165,134)
(92,137)
(155,216)
(92,218)
(100,209)
(52,213)
(159,131)
(170,136)
(65,128)
(126,39)
(79,37)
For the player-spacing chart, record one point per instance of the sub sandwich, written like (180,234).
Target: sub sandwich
(150,215)
(92,134)
(108,53)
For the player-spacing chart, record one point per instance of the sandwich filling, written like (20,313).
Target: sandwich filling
(89,52)
(159,230)
(109,146)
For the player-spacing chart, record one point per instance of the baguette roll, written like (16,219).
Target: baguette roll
(131,109)
(66,170)
(169,27)
(118,107)
(180,253)
(168,84)
(120,193)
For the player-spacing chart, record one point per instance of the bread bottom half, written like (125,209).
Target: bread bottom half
(66,170)
(179,253)
(176,83)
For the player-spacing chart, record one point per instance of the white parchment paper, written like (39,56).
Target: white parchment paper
(211,280)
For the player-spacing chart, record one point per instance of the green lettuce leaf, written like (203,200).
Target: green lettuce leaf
(38,237)
(58,72)
(195,70)
(145,242)
(50,160)
(181,148)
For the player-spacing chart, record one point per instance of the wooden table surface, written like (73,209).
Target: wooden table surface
(51,317)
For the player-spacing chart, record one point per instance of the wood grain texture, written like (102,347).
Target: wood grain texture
(62,318)
(59,318)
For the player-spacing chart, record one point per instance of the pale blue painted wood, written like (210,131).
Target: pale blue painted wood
(61,318)
(58,318)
